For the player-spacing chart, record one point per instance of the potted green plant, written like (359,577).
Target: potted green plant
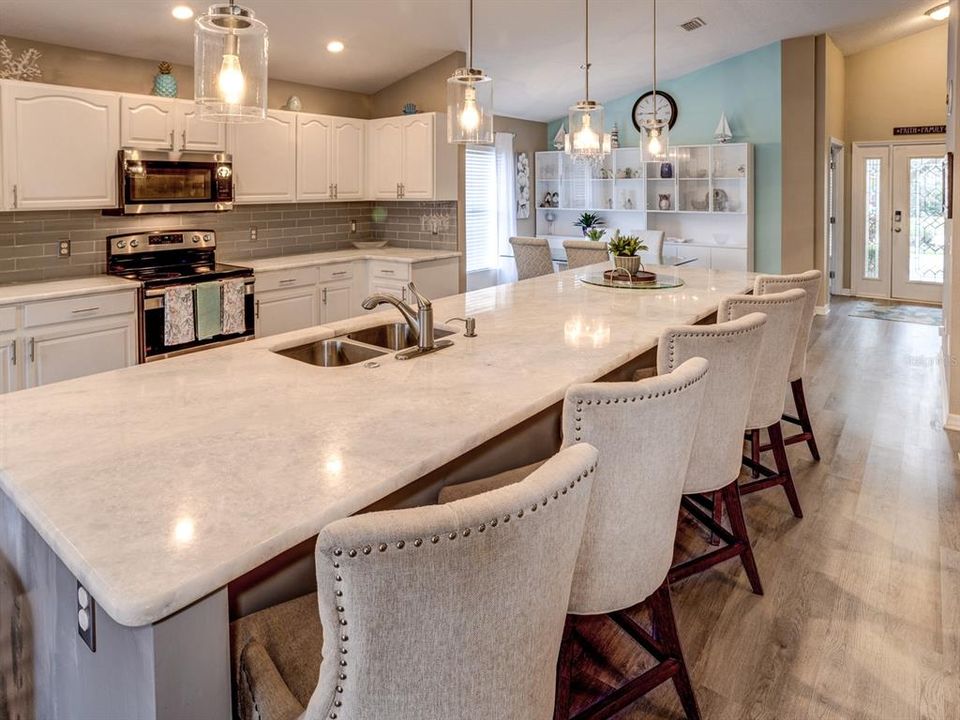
(588,220)
(625,249)
(596,234)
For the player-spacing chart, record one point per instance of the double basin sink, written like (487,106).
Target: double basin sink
(359,346)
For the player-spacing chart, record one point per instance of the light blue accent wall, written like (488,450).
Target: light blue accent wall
(747,89)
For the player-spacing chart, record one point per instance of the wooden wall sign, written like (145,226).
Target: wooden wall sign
(920,130)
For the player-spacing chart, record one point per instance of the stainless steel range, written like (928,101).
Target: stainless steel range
(175,268)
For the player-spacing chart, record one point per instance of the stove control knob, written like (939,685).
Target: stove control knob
(134,243)
(121,244)
(196,238)
(208,237)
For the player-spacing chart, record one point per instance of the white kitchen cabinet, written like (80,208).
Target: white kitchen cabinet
(314,171)
(280,311)
(265,158)
(59,146)
(148,123)
(78,348)
(196,134)
(9,350)
(410,159)
(348,162)
(335,301)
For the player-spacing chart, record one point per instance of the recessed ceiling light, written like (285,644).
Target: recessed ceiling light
(182,12)
(940,12)
(335,46)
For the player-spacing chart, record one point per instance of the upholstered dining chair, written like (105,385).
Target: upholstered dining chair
(447,611)
(532,256)
(653,239)
(783,311)
(808,281)
(733,351)
(644,431)
(585,252)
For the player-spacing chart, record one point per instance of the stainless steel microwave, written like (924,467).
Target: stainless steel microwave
(174,182)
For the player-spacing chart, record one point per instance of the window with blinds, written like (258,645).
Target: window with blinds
(481,207)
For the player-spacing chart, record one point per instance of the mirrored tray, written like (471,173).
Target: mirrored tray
(663,281)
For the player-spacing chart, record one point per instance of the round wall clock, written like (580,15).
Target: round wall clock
(666,108)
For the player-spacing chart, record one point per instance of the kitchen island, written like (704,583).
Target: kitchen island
(158,486)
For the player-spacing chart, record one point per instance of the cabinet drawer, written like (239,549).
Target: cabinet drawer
(8,318)
(341,271)
(389,270)
(78,308)
(280,279)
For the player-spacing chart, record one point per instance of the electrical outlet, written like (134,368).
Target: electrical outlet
(86,617)
(253,234)
(64,249)
(353,226)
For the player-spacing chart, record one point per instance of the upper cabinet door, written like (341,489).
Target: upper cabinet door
(314,180)
(59,146)
(386,157)
(348,158)
(418,148)
(147,123)
(196,134)
(265,158)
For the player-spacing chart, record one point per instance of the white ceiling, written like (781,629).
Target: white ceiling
(532,48)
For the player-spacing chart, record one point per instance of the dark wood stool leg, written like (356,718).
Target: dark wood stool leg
(568,651)
(783,467)
(731,498)
(755,452)
(665,628)
(717,515)
(800,400)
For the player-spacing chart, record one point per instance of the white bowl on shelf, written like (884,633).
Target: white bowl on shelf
(369,244)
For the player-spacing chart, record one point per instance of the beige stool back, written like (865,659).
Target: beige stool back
(733,351)
(585,252)
(532,256)
(809,282)
(653,239)
(644,431)
(456,610)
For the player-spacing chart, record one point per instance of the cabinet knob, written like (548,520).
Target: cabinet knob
(171,140)
(31,349)
(324,296)
(183,139)
(14,195)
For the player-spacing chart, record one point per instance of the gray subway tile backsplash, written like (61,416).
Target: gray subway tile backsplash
(29,241)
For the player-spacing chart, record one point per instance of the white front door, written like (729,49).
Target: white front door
(898,222)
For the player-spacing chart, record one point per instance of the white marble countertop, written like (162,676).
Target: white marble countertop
(52,289)
(160,483)
(393,254)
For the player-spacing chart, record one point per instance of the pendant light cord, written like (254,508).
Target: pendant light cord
(470,46)
(586,48)
(655,120)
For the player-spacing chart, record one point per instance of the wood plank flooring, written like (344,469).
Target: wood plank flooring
(861,616)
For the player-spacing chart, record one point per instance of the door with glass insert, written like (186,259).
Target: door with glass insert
(918,222)
(870,225)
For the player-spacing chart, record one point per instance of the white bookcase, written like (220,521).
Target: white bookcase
(707,199)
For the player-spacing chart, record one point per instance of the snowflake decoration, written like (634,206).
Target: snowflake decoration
(26,66)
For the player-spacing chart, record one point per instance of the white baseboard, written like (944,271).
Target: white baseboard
(952,422)
(844,292)
(822,309)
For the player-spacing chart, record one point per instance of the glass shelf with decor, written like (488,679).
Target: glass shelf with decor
(692,162)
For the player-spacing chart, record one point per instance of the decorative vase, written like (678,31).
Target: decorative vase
(630,263)
(666,170)
(614,137)
(294,104)
(410,109)
(164,84)
(664,202)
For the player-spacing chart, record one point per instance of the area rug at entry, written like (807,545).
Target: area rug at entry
(898,312)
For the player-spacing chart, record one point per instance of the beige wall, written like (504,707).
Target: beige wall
(529,137)
(102,71)
(899,83)
(798,75)
(426,88)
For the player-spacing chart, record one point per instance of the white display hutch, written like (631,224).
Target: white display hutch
(708,204)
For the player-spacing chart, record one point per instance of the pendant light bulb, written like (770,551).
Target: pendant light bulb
(588,142)
(470,115)
(230,81)
(586,138)
(654,145)
(470,102)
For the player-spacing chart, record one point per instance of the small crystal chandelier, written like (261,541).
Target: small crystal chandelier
(470,102)
(230,64)
(586,140)
(655,133)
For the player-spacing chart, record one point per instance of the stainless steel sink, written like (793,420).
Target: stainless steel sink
(393,336)
(335,352)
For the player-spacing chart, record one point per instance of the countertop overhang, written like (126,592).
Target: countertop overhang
(158,484)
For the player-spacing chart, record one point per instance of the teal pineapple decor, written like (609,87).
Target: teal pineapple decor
(164,84)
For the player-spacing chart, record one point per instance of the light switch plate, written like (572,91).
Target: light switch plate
(86,617)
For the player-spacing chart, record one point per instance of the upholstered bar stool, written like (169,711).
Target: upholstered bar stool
(532,256)
(448,611)
(644,432)
(585,252)
(653,239)
(810,283)
(733,351)
(783,311)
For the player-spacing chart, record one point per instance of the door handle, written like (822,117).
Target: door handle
(31,349)
(171,140)
(13,353)
(336,190)
(324,298)
(183,139)
(14,195)
(256,311)
(403,190)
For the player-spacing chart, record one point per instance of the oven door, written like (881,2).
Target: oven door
(152,182)
(154,346)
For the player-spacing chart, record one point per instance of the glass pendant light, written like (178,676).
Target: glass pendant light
(230,64)
(470,102)
(586,140)
(655,133)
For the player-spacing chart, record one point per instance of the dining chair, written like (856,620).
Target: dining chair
(783,311)
(733,351)
(446,611)
(532,256)
(808,281)
(585,252)
(644,432)
(653,239)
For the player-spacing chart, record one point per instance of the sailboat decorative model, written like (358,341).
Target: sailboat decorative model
(723,134)
(559,140)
